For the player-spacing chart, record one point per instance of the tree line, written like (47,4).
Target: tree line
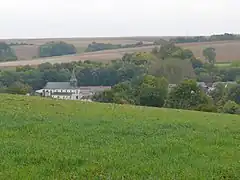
(94,46)
(216,37)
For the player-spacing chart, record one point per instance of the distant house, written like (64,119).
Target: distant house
(171,86)
(69,90)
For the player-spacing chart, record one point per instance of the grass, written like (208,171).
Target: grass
(223,64)
(53,139)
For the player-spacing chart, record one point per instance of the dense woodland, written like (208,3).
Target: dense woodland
(141,79)
(56,49)
(94,46)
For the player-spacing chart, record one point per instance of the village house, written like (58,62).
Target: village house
(70,90)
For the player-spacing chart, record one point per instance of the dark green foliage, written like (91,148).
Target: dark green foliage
(107,46)
(189,39)
(88,73)
(101,46)
(169,50)
(234,93)
(146,91)
(210,55)
(152,91)
(6,53)
(218,37)
(229,74)
(196,63)
(231,107)
(218,93)
(186,95)
(18,88)
(174,70)
(56,49)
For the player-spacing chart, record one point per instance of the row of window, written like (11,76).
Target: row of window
(65,97)
(63,91)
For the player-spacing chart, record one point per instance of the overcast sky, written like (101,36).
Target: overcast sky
(93,18)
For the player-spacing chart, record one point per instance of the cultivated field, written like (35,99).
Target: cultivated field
(103,56)
(53,139)
(227,51)
(27,52)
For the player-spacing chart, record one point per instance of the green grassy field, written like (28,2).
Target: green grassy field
(53,139)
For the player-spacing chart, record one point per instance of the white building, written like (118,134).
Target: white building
(69,90)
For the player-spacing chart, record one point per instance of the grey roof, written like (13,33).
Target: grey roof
(58,85)
(94,88)
(67,85)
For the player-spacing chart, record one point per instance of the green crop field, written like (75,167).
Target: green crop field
(53,139)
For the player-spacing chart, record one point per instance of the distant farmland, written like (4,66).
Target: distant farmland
(227,51)
(27,52)
(103,56)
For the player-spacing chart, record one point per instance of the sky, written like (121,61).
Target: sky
(115,18)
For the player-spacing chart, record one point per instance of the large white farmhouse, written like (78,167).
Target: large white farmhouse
(69,90)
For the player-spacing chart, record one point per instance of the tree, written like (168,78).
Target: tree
(56,49)
(167,49)
(234,93)
(196,63)
(6,52)
(153,91)
(210,55)
(18,88)
(146,91)
(218,93)
(186,95)
(187,54)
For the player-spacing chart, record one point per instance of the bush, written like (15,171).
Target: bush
(207,108)
(231,107)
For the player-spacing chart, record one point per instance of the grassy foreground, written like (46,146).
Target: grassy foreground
(53,139)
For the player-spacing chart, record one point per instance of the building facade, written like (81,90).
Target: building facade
(70,90)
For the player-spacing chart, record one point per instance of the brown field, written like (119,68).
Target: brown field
(27,52)
(103,56)
(227,51)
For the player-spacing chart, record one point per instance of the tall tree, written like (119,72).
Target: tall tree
(186,95)
(153,91)
(210,55)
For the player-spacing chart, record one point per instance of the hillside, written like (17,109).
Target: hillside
(53,139)
(227,51)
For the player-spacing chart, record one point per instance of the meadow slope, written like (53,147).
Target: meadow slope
(53,139)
